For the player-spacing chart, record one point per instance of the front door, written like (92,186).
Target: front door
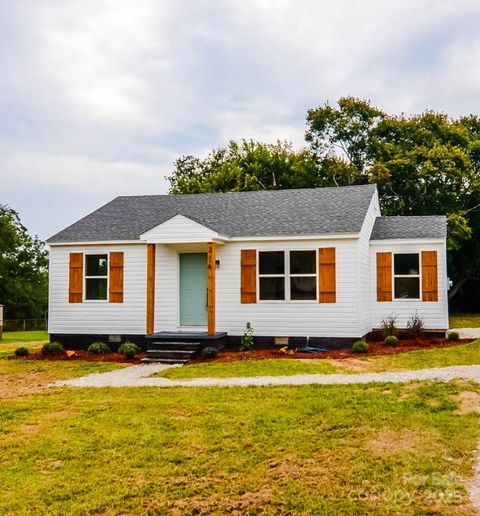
(193,289)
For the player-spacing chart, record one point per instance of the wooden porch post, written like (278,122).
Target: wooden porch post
(150,288)
(212,267)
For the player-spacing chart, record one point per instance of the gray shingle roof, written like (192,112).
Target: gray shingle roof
(237,214)
(388,228)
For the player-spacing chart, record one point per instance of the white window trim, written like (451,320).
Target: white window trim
(85,277)
(419,276)
(286,277)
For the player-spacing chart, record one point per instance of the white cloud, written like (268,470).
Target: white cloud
(101,95)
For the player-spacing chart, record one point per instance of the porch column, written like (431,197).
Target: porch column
(150,288)
(211,266)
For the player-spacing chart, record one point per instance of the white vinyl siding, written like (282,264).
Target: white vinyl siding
(98,317)
(434,313)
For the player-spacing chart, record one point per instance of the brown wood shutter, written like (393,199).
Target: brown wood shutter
(327,275)
(115,287)
(248,276)
(75,285)
(384,276)
(429,276)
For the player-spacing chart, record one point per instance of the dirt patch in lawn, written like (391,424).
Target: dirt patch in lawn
(469,402)
(390,442)
(374,349)
(81,355)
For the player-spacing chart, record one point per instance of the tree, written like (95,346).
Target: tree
(23,269)
(247,165)
(424,164)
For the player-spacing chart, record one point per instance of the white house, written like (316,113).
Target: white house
(319,263)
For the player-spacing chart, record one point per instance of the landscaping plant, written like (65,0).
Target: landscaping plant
(128,350)
(21,352)
(389,326)
(360,346)
(453,335)
(415,325)
(391,340)
(52,348)
(247,340)
(209,352)
(99,348)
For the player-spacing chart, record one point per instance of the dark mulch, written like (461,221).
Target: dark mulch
(81,355)
(374,349)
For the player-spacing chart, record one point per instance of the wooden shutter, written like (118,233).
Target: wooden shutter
(429,276)
(115,286)
(384,276)
(327,275)
(248,276)
(75,285)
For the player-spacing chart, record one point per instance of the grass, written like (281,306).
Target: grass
(299,450)
(465,321)
(463,354)
(9,337)
(354,450)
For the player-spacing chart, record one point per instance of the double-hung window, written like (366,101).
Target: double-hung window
(406,276)
(96,277)
(287,275)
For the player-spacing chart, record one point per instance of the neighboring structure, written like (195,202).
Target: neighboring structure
(319,263)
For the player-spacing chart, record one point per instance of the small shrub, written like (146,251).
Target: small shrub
(209,352)
(391,340)
(453,335)
(21,352)
(389,326)
(247,340)
(415,325)
(52,348)
(128,350)
(360,346)
(99,348)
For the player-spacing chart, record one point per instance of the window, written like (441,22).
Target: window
(303,275)
(406,274)
(287,275)
(272,275)
(96,277)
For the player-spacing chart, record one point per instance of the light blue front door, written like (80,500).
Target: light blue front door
(193,289)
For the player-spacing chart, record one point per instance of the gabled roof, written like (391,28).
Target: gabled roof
(398,227)
(310,211)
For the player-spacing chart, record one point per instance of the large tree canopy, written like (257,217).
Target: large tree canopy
(245,166)
(424,164)
(23,269)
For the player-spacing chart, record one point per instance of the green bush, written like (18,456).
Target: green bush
(209,352)
(99,348)
(391,340)
(247,340)
(360,346)
(21,352)
(453,335)
(52,348)
(128,350)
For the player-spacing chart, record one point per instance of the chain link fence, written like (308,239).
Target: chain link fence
(24,324)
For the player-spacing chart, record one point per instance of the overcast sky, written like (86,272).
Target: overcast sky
(98,97)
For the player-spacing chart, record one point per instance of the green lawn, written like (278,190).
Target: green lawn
(465,321)
(378,449)
(12,340)
(463,354)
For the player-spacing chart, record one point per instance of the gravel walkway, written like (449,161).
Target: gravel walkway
(139,376)
(468,333)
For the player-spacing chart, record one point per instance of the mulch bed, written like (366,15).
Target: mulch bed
(374,349)
(229,355)
(81,355)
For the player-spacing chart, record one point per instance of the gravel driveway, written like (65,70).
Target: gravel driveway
(140,376)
